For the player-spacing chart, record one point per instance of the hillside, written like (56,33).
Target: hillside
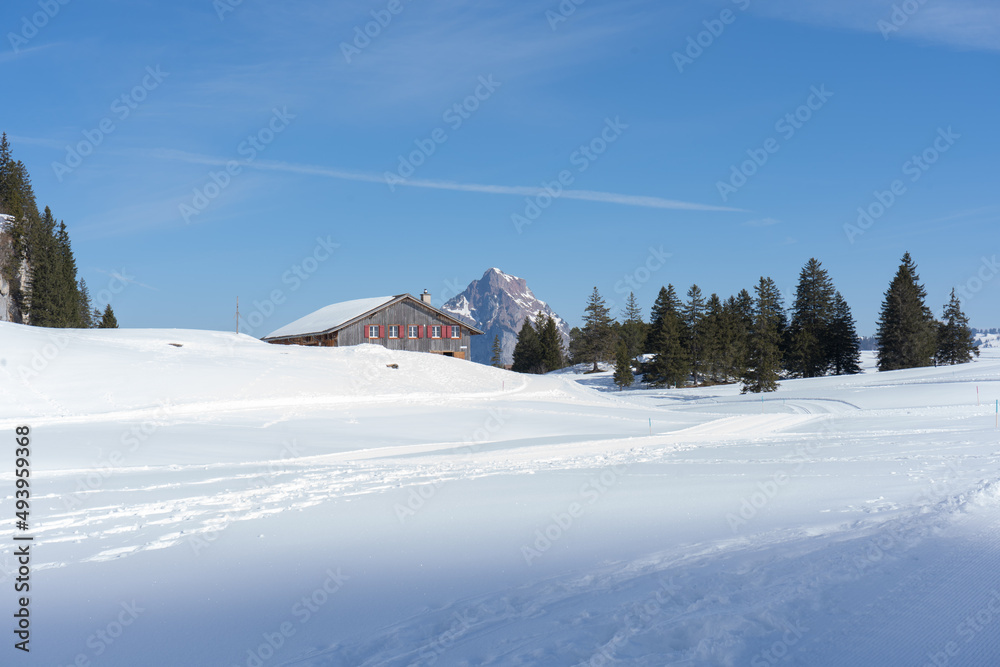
(282,505)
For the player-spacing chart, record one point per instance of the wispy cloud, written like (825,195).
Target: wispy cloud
(12,56)
(125,278)
(761,222)
(964,24)
(518,190)
(37,141)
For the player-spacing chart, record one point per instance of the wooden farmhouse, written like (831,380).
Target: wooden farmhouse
(401,322)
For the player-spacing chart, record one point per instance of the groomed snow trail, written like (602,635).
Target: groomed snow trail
(444,513)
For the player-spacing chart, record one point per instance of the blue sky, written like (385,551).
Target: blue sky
(201,151)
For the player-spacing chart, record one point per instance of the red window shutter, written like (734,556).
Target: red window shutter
(381,331)
(430,332)
(420,331)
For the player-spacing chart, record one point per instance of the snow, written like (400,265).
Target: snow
(462,309)
(331,316)
(239,503)
(987,340)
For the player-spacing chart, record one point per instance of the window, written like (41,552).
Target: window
(394,331)
(411,331)
(456,332)
(436,331)
(373,331)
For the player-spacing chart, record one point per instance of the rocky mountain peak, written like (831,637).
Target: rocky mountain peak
(498,303)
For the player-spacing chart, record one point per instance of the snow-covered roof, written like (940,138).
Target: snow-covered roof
(330,317)
(336,315)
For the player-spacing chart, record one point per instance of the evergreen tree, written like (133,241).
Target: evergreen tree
(764,359)
(633,313)
(812,316)
(68,293)
(597,334)
(577,353)
(907,332)
(623,366)
(108,319)
(671,365)
(495,360)
(666,302)
(549,342)
(633,329)
(85,307)
(528,350)
(736,335)
(37,252)
(694,312)
(844,344)
(956,342)
(712,338)
(18,201)
(45,298)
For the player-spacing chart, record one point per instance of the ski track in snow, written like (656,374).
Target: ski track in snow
(883,540)
(247,495)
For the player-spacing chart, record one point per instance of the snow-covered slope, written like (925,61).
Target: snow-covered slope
(498,303)
(987,340)
(203,498)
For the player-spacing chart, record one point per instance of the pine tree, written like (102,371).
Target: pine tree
(712,338)
(671,366)
(577,353)
(549,342)
(38,251)
(694,312)
(844,345)
(85,307)
(812,315)
(764,359)
(597,334)
(497,358)
(666,302)
(44,299)
(108,319)
(68,294)
(633,329)
(907,332)
(633,313)
(528,350)
(736,335)
(18,201)
(956,342)
(623,366)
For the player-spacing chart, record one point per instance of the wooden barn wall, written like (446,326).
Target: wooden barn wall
(403,314)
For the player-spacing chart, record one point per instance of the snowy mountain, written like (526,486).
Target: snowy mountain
(497,303)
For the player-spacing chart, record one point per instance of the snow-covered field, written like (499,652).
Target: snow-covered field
(207,499)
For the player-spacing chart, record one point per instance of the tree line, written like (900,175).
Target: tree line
(36,258)
(751,339)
